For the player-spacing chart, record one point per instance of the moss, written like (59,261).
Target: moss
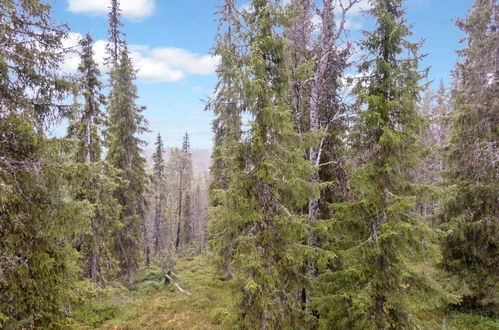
(212,304)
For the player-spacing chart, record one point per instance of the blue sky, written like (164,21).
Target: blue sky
(171,41)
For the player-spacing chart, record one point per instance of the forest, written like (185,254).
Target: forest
(344,190)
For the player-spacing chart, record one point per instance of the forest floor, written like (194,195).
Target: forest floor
(212,304)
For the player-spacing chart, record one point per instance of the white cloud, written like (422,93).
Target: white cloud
(185,60)
(132,9)
(71,60)
(154,65)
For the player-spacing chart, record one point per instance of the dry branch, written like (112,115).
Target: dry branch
(169,279)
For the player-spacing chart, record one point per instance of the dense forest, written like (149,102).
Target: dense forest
(344,192)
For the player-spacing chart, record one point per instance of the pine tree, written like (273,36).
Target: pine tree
(268,182)
(380,240)
(125,122)
(38,266)
(471,214)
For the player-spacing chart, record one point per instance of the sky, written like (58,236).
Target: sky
(171,42)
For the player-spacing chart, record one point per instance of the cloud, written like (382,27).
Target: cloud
(154,65)
(71,60)
(132,9)
(169,64)
(185,60)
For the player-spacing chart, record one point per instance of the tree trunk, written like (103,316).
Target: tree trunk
(179,210)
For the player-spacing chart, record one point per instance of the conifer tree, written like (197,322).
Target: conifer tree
(159,194)
(97,181)
(125,122)
(187,230)
(183,167)
(268,183)
(115,39)
(226,126)
(38,266)
(380,240)
(318,61)
(471,214)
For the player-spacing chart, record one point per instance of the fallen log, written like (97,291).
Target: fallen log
(169,279)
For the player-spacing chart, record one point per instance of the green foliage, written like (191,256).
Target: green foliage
(470,215)
(124,123)
(379,239)
(38,265)
(256,222)
(93,181)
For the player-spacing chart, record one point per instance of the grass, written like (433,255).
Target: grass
(442,320)
(213,304)
(153,305)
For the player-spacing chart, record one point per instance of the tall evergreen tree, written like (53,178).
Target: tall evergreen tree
(97,181)
(125,122)
(471,214)
(38,266)
(115,39)
(183,168)
(88,124)
(226,126)
(319,59)
(268,183)
(158,181)
(381,241)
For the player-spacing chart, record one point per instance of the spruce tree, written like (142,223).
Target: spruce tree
(97,181)
(158,180)
(268,182)
(38,266)
(115,39)
(226,127)
(125,122)
(183,168)
(377,281)
(471,214)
